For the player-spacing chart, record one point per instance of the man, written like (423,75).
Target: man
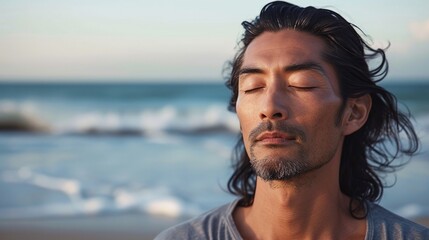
(315,131)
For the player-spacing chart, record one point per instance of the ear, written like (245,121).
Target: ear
(356,113)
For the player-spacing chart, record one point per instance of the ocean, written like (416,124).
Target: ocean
(74,149)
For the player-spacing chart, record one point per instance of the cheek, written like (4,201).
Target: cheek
(326,129)
(244,115)
(319,117)
(245,131)
(245,125)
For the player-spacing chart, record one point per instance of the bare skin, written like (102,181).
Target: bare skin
(284,79)
(291,212)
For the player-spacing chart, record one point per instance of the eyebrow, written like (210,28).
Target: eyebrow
(304,66)
(287,69)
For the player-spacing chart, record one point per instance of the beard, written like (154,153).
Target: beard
(277,168)
(272,168)
(281,166)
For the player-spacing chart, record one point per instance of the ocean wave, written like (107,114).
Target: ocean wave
(153,201)
(20,118)
(147,122)
(152,122)
(27,117)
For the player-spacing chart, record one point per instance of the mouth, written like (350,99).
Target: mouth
(275,138)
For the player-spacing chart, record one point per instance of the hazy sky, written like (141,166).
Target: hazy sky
(59,40)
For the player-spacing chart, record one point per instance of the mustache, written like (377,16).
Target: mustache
(279,127)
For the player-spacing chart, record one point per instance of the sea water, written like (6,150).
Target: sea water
(157,149)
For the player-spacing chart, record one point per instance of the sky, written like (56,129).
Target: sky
(141,40)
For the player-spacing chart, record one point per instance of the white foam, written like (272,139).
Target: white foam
(90,206)
(412,211)
(124,199)
(153,201)
(93,206)
(69,187)
(152,122)
(170,207)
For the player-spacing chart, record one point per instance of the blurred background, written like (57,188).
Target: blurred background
(113,114)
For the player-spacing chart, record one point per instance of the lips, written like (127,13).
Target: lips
(275,138)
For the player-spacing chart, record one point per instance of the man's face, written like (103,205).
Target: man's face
(288,104)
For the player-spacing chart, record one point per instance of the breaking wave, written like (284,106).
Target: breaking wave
(80,200)
(20,118)
(168,119)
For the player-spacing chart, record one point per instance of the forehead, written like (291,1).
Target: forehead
(277,50)
(285,45)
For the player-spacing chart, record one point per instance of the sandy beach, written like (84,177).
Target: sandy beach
(128,226)
(125,226)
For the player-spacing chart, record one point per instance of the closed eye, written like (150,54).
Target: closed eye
(302,88)
(252,90)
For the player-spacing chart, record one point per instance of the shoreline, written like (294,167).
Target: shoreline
(422,221)
(107,227)
(124,226)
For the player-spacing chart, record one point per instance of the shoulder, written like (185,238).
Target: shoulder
(215,224)
(383,224)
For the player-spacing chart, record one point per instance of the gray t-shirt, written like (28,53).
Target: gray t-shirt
(219,224)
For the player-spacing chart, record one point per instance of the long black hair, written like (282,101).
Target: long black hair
(367,152)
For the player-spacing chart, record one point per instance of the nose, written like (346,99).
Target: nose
(273,105)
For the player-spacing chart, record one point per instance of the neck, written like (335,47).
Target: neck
(309,207)
(296,212)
